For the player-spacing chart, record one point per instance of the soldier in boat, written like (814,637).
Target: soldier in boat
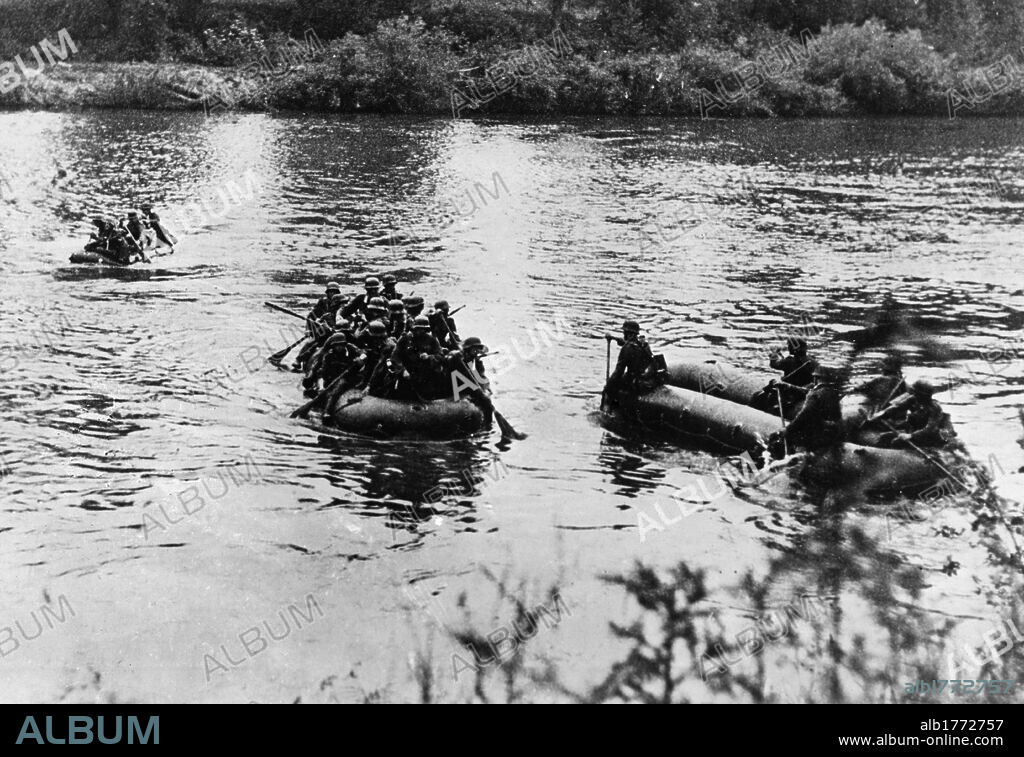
(414,305)
(637,369)
(797,377)
(356,308)
(819,424)
(330,362)
(443,325)
(388,291)
(319,325)
(421,358)
(396,319)
(917,419)
(882,390)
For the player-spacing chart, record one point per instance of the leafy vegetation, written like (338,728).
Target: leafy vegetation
(627,56)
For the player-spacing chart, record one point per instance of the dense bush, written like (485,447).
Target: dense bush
(881,71)
(628,56)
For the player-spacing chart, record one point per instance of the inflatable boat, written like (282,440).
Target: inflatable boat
(718,379)
(718,423)
(376,416)
(90,257)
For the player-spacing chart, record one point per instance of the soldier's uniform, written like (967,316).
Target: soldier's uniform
(797,370)
(356,308)
(635,361)
(413,309)
(397,322)
(443,326)
(919,417)
(419,353)
(389,292)
(819,424)
(331,361)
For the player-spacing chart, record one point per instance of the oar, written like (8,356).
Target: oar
(966,488)
(284,310)
(507,430)
(782,417)
(928,457)
(304,411)
(136,243)
(277,357)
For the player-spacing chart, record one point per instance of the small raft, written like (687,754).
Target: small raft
(91,257)
(718,379)
(718,423)
(376,416)
(84,257)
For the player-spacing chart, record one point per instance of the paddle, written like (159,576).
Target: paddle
(507,430)
(782,417)
(284,310)
(303,412)
(277,357)
(136,243)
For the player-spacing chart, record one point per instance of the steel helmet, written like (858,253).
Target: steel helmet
(396,305)
(412,301)
(473,343)
(796,345)
(377,303)
(892,363)
(389,278)
(826,373)
(333,286)
(922,389)
(421,323)
(377,328)
(343,325)
(631,327)
(441,305)
(372,282)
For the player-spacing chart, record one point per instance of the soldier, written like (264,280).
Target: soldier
(797,376)
(881,390)
(376,310)
(443,325)
(636,367)
(797,368)
(917,419)
(389,292)
(468,362)
(330,362)
(396,319)
(136,233)
(466,369)
(319,325)
(374,347)
(356,308)
(819,424)
(152,221)
(413,308)
(419,355)
(99,240)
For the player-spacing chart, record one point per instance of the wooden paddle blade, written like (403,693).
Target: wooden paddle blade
(507,432)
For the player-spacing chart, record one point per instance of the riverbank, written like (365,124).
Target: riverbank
(838,72)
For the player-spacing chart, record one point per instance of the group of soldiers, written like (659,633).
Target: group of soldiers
(906,416)
(127,239)
(384,342)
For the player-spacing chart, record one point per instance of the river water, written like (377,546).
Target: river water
(133,398)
